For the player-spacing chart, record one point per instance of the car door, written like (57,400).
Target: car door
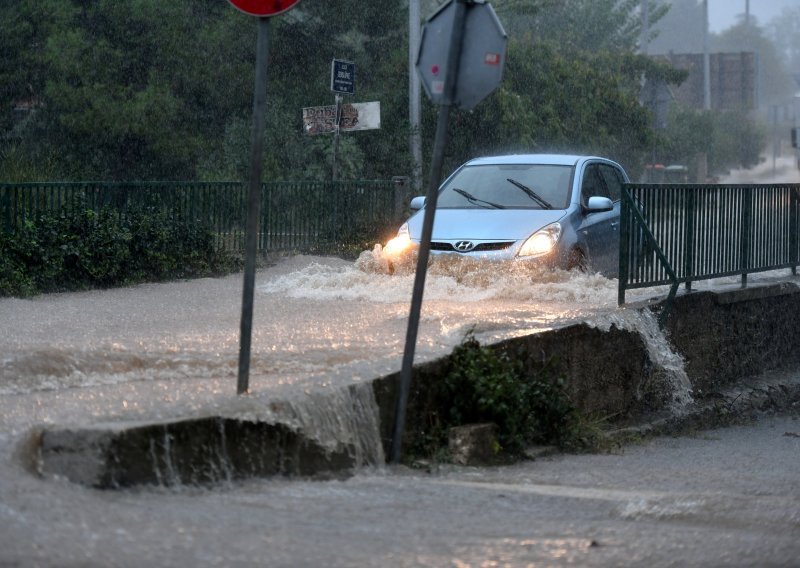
(600,229)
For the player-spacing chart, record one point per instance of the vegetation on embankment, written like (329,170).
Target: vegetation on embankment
(65,251)
(481,385)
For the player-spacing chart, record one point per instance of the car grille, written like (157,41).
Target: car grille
(481,247)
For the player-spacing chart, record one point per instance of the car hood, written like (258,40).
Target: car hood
(485,224)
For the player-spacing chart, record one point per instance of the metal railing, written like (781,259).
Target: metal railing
(294,216)
(673,234)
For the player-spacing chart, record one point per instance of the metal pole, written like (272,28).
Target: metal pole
(747,15)
(775,139)
(414,96)
(336,133)
(706,61)
(747,220)
(624,245)
(253,203)
(645,26)
(440,142)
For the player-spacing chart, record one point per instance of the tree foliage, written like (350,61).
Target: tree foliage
(145,89)
(783,33)
(584,25)
(557,101)
(729,139)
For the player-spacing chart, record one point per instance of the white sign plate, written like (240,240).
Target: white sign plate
(355,116)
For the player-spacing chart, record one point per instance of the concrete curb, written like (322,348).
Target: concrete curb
(195,451)
(771,393)
(608,369)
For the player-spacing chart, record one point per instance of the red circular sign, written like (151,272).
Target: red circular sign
(263,7)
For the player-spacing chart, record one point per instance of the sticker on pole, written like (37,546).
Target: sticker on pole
(263,8)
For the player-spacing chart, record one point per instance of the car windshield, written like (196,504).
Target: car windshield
(508,186)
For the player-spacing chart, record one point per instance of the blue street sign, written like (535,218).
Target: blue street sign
(343,77)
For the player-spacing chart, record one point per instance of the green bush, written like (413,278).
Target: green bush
(100,249)
(483,385)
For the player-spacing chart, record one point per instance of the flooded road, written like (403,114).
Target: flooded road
(161,351)
(724,498)
(318,322)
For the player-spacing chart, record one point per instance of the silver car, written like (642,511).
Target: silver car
(558,210)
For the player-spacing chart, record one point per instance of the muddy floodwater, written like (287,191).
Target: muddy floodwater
(170,350)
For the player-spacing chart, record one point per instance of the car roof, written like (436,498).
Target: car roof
(549,159)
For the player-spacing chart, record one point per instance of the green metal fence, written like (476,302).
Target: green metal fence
(295,215)
(673,234)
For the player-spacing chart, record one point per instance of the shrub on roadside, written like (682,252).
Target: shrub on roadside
(100,249)
(485,386)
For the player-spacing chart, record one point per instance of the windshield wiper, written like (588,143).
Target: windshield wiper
(472,199)
(530,193)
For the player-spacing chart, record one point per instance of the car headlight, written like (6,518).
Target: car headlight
(399,244)
(542,241)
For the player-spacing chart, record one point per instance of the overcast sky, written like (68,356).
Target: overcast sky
(722,13)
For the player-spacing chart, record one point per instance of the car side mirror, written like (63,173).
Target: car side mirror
(417,203)
(599,204)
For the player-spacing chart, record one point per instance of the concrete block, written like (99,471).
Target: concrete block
(185,452)
(473,444)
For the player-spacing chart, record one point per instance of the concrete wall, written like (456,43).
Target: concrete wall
(615,373)
(607,373)
(727,336)
(723,337)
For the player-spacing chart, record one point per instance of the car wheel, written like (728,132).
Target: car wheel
(577,261)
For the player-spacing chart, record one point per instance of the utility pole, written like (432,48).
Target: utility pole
(645,26)
(414,95)
(706,61)
(702,157)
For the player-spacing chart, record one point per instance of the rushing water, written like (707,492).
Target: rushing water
(160,351)
(313,315)
(171,349)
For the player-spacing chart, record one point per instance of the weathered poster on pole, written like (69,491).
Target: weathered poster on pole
(354,116)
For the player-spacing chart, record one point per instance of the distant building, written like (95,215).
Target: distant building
(734,79)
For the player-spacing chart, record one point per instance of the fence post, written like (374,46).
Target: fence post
(265,209)
(400,185)
(624,245)
(5,203)
(747,217)
(794,206)
(688,251)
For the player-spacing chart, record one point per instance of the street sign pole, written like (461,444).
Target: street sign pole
(263,9)
(343,81)
(253,204)
(338,119)
(440,142)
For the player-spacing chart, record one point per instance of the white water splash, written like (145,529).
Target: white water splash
(644,322)
(449,278)
(156,350)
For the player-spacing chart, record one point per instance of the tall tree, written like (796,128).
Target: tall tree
(148,89)
(783,31)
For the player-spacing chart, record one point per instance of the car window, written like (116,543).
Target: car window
(613,179)
(593,184)
(506,185)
